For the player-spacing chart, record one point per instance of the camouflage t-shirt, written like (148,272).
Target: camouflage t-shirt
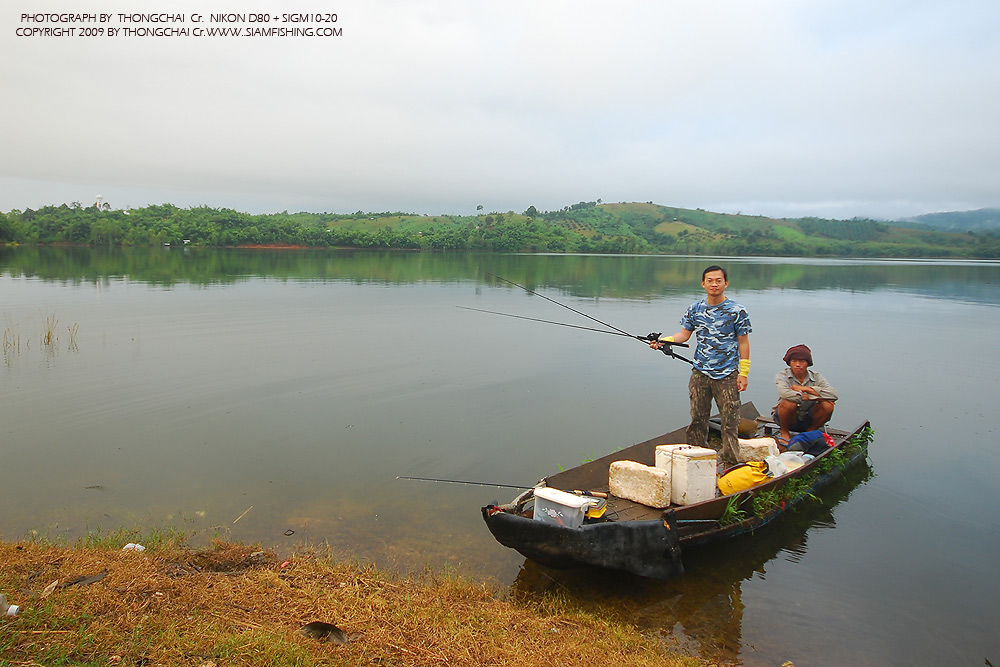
(718,327)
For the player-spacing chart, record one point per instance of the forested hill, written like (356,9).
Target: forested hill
(586,227)
(980,220)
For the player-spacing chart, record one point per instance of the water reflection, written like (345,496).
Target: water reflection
(586,276)
(301,383)
(702,611)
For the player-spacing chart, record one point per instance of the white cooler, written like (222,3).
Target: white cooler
(663,456)
(693,478)
(560,507)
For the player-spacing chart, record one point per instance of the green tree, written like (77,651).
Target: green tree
(8,231)
(106,232)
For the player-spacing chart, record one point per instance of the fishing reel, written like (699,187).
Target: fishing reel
(667,347)
(653,337)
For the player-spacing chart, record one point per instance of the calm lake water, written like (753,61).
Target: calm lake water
(250,394)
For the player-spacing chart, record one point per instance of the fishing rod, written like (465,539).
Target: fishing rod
(511,282)
(667,348)
(535,319)
(462,481)
(597,494)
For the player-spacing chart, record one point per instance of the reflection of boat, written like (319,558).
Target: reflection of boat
(647,541)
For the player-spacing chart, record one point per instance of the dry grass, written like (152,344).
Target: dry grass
(232,605)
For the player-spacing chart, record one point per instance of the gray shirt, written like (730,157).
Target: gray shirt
(784,381)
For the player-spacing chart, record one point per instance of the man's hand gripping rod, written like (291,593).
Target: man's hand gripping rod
(667,346)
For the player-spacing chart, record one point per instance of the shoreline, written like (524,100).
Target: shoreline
(235,604)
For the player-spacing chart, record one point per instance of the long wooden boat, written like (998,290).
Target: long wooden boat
(650,542)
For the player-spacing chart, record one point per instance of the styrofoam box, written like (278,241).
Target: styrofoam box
(646,485)
(663,459)
(560,507)
(693,478)
(757,449)
(663,455)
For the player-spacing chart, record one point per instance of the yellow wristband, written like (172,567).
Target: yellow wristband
(744,367)
(667,339)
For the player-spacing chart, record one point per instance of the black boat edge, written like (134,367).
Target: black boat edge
(647,548)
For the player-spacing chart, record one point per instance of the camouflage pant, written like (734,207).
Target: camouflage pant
(702,390)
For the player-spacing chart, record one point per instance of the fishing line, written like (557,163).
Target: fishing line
(667,349)
(610,326)
(535,319)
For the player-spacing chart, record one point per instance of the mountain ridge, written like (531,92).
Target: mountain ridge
(981,219)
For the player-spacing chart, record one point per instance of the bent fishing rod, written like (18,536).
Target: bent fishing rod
(667,348)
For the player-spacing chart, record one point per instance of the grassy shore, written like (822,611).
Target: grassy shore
(94,603)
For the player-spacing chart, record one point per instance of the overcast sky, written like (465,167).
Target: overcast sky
(776,107)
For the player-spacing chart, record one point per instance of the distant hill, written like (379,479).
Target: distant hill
(983,219)
(584,227)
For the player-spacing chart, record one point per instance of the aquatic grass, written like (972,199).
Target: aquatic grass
(859,440)
(11,346)
(765,501)
(864,437)
(733,513)
(798,488)
(835,458)
(11,341)
(841,456)
(73,330)
(49,333)
(48,337)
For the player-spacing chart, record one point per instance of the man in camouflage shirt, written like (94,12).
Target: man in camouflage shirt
(721,360)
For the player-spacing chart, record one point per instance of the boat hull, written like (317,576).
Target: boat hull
(647,548)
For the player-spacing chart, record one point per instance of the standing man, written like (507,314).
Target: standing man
(721,360)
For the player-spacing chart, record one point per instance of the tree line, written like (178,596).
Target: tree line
(585,227)
(166,224)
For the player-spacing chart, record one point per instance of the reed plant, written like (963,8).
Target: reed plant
(48,337)
(73,330)
(11,341)
(49,333)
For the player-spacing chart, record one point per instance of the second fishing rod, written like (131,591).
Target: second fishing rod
(667,348)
